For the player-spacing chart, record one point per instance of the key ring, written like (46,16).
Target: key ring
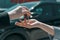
(26,17)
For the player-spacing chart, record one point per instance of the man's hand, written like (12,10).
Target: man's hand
(32,23)
(18,12)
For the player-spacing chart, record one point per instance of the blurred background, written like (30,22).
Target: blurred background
(9,3)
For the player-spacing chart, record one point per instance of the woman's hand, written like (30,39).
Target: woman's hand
(32,23)
(18,12)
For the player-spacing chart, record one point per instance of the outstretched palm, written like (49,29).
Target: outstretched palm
(32,23)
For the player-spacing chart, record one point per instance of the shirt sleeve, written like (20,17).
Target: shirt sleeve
(57,33)
(4,19)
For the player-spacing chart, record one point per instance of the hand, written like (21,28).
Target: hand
(18,12)
(32,23)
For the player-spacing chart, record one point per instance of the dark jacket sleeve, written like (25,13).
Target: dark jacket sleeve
(4,19)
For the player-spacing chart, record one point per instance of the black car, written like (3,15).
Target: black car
(47,12)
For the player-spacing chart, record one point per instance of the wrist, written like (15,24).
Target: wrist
(47,28)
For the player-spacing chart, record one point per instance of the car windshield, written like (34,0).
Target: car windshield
(29,4)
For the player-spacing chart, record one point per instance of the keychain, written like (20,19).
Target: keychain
(26,17)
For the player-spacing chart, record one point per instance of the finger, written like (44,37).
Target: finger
(19,24)
(25,7)
(30,22)
(34,23)
(27,12)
